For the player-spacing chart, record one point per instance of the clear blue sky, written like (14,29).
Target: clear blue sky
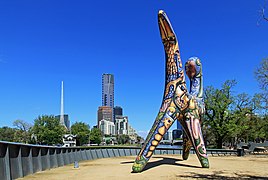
(45,42)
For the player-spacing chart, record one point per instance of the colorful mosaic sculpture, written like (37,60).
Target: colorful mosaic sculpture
(178,103)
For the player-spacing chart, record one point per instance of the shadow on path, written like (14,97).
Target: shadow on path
(164,160)
(217,175)
(167,161)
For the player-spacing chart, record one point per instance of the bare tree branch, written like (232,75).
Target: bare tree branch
(263,14)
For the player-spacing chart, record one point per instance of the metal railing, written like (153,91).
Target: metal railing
(19,160)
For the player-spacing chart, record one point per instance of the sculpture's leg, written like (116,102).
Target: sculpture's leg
(174,79)
(195,110)
(195,134)
(160,127)
(186,146)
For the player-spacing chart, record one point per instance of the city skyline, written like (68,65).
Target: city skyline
(43,43)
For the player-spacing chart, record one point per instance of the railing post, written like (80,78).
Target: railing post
(27,160)
(4,162)
(15,161)
(89,155)
(59,157)
(53,158)
(36,157)
(99,153)
(70,155)
(65,157)
(45,158)
(83,153)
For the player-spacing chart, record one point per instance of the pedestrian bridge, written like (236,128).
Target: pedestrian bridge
(172,142)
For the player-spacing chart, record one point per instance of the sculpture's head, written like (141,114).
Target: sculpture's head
(193,67)
(174,69)
(166,31)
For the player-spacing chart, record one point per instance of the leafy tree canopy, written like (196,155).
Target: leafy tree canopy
(261,74)
(123,139)
(48,130)
(95,136)
(229,117)
(22,133)
(82,132)
(7,134)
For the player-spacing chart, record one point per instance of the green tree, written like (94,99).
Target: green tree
(265,126)
(139,139)
(95,136)
(247,121)
(82,132)
(218,116)
(123,139)
(48,130)
(21,125)
(261,74)
(7,134)
(22,133)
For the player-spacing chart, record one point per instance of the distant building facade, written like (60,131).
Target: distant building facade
(121,125)
(107,127)
(66,120)
(132,133)
(176,134)
(168,136)
(69,140)
(106,113)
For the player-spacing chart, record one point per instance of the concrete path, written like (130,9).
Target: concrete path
(161,167)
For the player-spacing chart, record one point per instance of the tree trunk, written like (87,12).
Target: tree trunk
(219,143)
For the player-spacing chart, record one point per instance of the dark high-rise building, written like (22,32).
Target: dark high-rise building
(108,91)
(118,111)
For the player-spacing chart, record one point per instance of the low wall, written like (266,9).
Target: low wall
(19,160)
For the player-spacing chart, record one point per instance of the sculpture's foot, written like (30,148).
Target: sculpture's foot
(139,165)
(185,155)
(186,146)
(204,162)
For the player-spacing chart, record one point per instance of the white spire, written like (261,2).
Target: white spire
(62,106)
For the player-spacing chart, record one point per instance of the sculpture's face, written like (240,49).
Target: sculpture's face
(190,69)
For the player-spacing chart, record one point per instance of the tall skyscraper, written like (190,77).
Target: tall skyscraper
(108,91)
(62,106)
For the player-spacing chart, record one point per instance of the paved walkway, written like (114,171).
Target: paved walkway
(161,167)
